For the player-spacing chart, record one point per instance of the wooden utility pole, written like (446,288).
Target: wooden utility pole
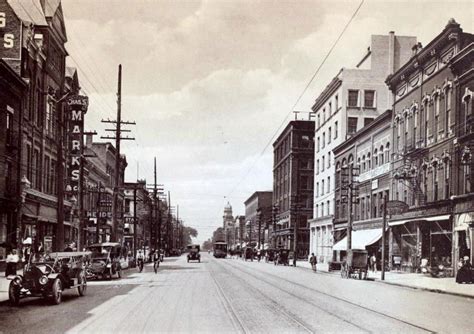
(168,243)
(155,205)
(118,161)
(384,227)
(98,215)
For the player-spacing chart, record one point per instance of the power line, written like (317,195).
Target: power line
(299,97)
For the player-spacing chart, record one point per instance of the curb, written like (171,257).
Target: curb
(414,287)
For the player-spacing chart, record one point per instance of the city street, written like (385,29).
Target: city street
(230,295)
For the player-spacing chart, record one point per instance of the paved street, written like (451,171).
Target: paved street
(230,295)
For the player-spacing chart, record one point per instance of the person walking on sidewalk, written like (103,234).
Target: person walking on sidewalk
(12,262)
(313,261)
(373,263)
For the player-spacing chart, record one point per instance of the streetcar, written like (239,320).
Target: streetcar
(220,249)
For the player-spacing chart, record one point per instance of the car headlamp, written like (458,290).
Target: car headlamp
(43,280)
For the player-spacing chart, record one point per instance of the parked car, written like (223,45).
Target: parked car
(193,254)
(105,260)
(48,275)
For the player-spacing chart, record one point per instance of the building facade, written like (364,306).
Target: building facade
(369,182)
(258,209)
(12,89)
(353,99)
(427,154)
(293,154)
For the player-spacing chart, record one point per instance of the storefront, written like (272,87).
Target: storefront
(421,240)
(463,236)
(361,239)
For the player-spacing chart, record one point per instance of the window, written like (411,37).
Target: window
(368,161)
(352,126)
(335,129)
(381,155)
(322,187)
(353,100)
(317,166)
(328,206)
(317,210)
(367,120)
(317,189)
(322,209)
(329,135)
(330,108)
(387,153)
(319,120)
(127,205)
(319,144)
(329,184)
(376,158)
(305,141)
(324,139)
(369,98)
(9,124)
(47,176)
(324,115)
(336,102)
(363,164)
(322,163)
(329,159)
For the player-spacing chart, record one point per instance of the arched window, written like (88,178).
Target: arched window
(368,161)
(363,163)
(387,152)
(381,156)
(376,158)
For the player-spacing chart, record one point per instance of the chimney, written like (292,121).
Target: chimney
(391,52)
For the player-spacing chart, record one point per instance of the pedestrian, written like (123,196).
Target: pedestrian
(313,261)
(373,263)
(12,262)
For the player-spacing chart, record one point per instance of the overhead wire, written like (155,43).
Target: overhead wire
(300,96)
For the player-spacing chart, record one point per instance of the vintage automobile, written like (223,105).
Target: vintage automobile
(105,260)
(48,275)
(193,254)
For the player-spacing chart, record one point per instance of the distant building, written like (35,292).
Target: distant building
(293,158)
(258,209)
(353,99)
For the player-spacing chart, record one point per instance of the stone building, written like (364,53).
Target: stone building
(293,158)
(429,140)
(353,99)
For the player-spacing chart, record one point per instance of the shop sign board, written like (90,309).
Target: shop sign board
(396,207)
(77,107)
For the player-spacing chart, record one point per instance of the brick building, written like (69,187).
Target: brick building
(258,210)
(293,159)
(369,181)
(427,154)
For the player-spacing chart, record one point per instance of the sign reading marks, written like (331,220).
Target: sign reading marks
(77,107)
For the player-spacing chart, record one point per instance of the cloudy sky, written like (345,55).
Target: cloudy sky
(210,82)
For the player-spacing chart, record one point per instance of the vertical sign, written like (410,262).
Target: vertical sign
(77,107)
(10,33)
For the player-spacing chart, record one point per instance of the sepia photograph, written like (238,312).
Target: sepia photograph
(236,166)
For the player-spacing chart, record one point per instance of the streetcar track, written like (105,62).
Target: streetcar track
(277,308)
(259,277)
(236,321)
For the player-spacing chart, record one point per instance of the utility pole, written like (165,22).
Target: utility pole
(135,222)
(98,215)
(259,217)
(154,203)
(118,161)
(384,227)
(168,223)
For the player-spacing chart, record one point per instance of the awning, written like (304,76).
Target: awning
(422,219)
(463,220)
(360,239)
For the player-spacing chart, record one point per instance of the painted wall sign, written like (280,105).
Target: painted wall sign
(10,33)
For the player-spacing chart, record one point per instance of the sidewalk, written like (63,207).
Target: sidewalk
(416,281)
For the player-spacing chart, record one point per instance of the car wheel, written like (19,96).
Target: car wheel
(14,294)
(57,290)
(81,289)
